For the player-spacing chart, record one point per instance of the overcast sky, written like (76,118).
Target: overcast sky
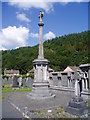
(20,21)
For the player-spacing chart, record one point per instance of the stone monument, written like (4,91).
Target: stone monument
(40,89)
(64,79)
(15,83)
(29,82)
(20,81)
(77,106)
(55,78)
(24,82)
(86,69)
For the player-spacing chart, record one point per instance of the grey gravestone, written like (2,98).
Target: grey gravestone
(5,80)
(51,81)
(26,79)
(2,81)
(20,81)
(24,82)
(55,78)
(64,78)
(10,80)
(73,80)
(15,83)
(73,83)
(77,106)
(86,69)
(30,82)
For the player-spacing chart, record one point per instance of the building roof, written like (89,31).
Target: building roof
(31,71)
(71,69)
(11,71)
(84,65)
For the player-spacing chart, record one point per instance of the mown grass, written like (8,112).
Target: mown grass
(5,85)
(88,104)
(3,97)
(4,90)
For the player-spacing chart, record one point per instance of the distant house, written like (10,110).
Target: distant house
(30,72)
(71,69)
(11,72)
(67,76)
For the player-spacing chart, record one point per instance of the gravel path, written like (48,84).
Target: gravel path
(21,100)
(8,111)
(29,106)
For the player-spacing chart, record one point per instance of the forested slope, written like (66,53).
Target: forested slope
(61,51)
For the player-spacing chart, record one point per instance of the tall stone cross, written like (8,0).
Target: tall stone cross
(77,87)
(41,15)
(41,24)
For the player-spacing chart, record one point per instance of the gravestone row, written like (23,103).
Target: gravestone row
(7,81)
(20,82)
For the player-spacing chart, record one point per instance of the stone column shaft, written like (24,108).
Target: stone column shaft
(68,83)
(86,84)
(77,88)
(89,78)
(41,43)
(83,84)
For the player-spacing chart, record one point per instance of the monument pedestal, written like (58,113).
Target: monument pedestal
(40,90)
(77,106)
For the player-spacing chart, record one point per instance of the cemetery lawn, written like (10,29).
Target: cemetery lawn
(88,104)
(5,90)
(4,96)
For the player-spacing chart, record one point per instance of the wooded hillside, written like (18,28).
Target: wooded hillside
(61,51)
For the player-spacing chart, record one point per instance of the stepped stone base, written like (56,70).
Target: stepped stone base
(40,90)
(77,106)
(15,87)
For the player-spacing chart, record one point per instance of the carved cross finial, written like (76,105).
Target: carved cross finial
(41,15)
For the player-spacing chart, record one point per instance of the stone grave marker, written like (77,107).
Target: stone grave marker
(55,78)
(77,106)
(4,80)
(15,83)
(9,80)
(20,81)
(64,77)
(29,82)
(24,82)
